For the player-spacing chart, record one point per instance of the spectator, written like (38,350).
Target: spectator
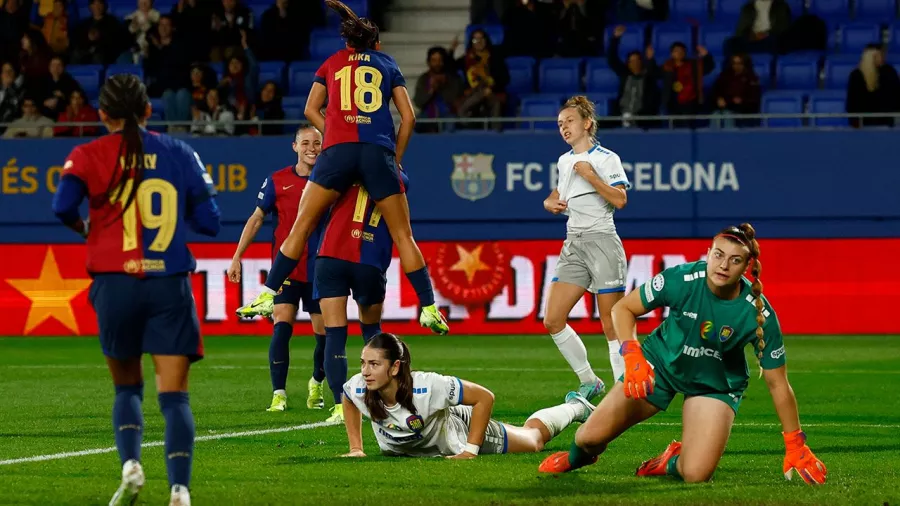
(203,79)
(34,58)
(873,87)
(56,88)
(218,121)
(31,124)
(99,39)
(760,25)
(140,22)
(638,89)
(285,32)
(56,28)
(13,24)
(576,30)
(78,111)
(737,91)
(437,90)
(193,19)
(167,71)
(529,30)
(486,77)
(10,93)
(228,22)
(683,81)
(241,80)
(268,108)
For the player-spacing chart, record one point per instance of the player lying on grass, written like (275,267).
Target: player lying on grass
(425,414)
(698,351)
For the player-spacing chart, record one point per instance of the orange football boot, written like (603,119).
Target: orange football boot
(657,465)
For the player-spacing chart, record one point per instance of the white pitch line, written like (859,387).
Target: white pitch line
(97,451)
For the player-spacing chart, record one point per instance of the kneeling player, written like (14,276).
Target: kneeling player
(425,414)
(138,256)
(698,351)
(353,257)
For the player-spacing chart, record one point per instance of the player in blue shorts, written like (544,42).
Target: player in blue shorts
(353,257)
(280,197)
(358,84)
(145,190)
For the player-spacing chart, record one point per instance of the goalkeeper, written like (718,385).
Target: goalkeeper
(698,351)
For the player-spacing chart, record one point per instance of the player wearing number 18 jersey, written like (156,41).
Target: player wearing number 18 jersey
(144,191)
(698,351)
(360,145)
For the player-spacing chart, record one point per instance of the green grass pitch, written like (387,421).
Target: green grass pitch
(55,396)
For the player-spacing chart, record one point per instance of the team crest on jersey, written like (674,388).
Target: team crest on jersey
(725,333)
(473,176)
(415,423)
(705,329)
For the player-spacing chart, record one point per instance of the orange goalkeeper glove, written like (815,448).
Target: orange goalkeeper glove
(639,376)
(798,457)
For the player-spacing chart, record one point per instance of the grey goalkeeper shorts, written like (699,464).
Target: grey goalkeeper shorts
(495,438)
(595,262)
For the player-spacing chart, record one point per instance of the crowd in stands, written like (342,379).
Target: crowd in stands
(211,64)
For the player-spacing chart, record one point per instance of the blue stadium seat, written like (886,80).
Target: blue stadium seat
(157,105)
(272,71)
(664,35)
(895,37)
(830,10)
(114,69)
(521,74)
(599,77)
(713,37)
(792,73)
(632,39)
(300,77)
(540,106)
(727,11)
(797,8)
(762,65)
(293,113)
(855,36)
(838,69)
(684,9)
(875,10)
(602,102)
(323,43)
(88,77)
(828,102)
(258,10)
(560,75)
(783,102)
(495,32)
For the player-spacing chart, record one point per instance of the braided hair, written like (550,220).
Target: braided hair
(124,97)
(394,350)
(746,235)
(360,33)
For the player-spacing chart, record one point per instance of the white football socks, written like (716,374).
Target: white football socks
(557,418)
(574,352)
(616,360)
(282,392)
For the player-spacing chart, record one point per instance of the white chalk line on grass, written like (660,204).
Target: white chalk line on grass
(308,426)
(211,437)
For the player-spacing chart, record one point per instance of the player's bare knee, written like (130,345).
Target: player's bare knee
(696,473)
(554,323)
(284,313)
(587,440)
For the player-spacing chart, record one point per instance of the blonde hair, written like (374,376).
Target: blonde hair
(869,69)
(585,109)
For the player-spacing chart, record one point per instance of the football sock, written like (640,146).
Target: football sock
(616,360)
(281,269)
(574,352)
(319,359)
(370,330)
(421,283)
(176,410)
(557,418)
(336,360)
(280,354)
(128,421)
(578,457)
(672,468)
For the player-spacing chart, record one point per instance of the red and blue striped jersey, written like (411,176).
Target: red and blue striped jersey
(356,232)
(280,196)
(359,84)
(149,237)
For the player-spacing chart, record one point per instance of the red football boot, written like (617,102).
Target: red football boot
(657,465)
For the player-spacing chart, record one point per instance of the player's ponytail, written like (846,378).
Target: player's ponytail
(124,98)
(586,110)
(394,350)
(360,33)
(746,235)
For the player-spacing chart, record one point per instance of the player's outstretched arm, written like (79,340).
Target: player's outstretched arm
(314,103)
(482,401)
(353,424)
(639,377)
(400,96)
(251,228)
(69,194)
(798,457)
(613,194)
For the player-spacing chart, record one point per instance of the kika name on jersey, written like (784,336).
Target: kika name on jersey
(149,161)
(358,57)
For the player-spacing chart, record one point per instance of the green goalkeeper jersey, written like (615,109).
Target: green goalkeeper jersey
(699,348)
